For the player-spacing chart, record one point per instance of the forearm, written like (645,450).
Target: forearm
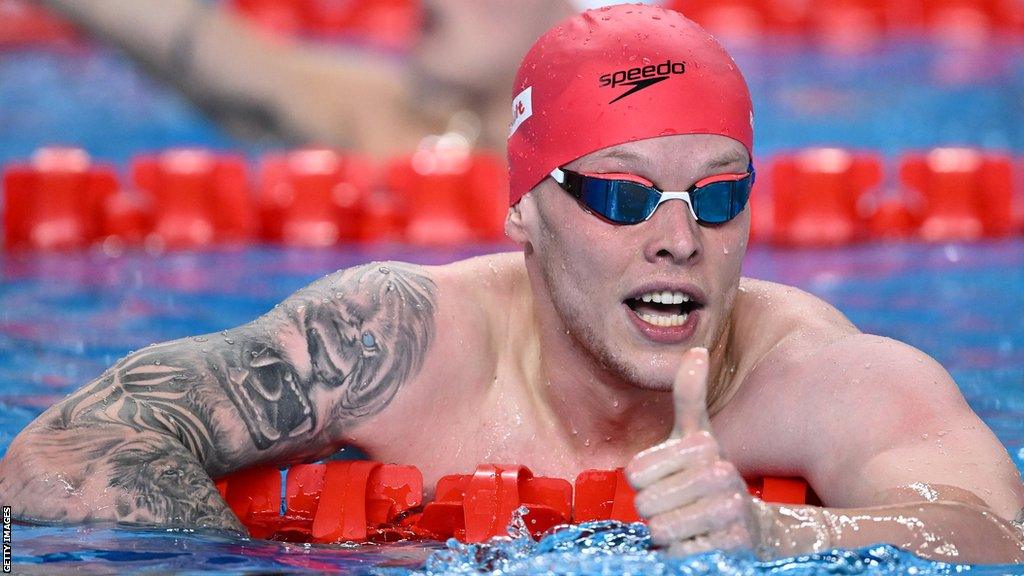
(110,474)
(243,77)
(284,388)
(219,61)
(145,29)
(944,531)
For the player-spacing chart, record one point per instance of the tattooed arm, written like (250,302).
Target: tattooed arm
(141,443)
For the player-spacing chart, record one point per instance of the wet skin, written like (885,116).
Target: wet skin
(538,358)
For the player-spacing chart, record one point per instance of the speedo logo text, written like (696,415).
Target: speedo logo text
(641,77)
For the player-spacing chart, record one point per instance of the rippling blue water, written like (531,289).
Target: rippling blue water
(594,548)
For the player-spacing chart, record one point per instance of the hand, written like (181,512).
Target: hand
(694,500)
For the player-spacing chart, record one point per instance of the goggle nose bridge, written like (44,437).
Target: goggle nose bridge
(559,176)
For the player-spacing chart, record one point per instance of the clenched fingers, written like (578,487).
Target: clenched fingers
(688,486)
(734,537)
(706,516)
(697,450)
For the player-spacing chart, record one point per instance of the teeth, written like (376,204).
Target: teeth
(665,297)
(673,320)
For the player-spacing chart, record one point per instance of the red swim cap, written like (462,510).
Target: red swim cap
(615,75)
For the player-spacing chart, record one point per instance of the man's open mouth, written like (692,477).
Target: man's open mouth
(664,308)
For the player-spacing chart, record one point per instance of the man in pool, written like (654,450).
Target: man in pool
(621,335)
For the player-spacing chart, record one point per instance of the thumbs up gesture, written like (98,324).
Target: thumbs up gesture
(693,499)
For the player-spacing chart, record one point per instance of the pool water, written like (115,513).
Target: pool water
(64,318)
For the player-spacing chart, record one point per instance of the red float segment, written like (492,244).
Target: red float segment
(1018,199)
(487,203)
(741,22)
(816,193)
(967,193)
(762,221)
(853,26)
(23,22)
(476,507)
(127,219)
(384,218)
(491,497)
(199,198)
(56,201)
(364,500)
(894,219)
(303,486)
(254,496)
(341,514)
(971,21)
(390,24)
(393,491)
(314,197)
(604,495)
(431,185)
(451,195)
(332,502)
(779,490)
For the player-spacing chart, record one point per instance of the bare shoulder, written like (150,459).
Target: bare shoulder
(770,318)
(472,303)
(786,309)
(849,411)
(809,349)
(784,336)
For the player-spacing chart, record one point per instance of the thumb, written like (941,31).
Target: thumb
(689,394)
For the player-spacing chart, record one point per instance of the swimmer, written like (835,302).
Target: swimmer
(621,335)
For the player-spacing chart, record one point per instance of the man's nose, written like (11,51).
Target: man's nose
(672,234)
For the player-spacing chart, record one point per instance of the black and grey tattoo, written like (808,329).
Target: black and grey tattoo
(157,425)
(365,334)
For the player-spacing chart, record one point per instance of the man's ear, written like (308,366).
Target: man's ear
(515,227)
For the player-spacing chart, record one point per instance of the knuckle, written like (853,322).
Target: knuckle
(644,503)
(723,470)
(661,532)
(733,507)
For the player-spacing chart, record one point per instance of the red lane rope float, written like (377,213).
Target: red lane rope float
(369,501)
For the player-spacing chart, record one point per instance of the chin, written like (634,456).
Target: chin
(653,372)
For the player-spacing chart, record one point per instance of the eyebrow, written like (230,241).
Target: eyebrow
(644,162)
(728,158)
(625,156)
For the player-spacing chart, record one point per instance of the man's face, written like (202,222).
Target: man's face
(598,274)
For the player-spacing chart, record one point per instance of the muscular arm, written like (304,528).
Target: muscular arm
(908,463)
(140,443)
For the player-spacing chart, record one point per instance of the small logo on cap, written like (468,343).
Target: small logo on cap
(641,77)
(522,109)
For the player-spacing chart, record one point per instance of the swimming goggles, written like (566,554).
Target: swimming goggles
(717,201)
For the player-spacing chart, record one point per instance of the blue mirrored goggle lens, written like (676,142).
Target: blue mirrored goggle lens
(719,202)
(619,200)
(628,202)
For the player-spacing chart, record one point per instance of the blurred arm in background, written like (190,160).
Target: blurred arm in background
(464,61)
